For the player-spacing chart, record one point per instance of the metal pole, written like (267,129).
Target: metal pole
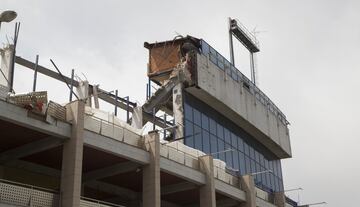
(252,66)
(35,72)
(231,45)
(127,110)
(116,98)
(164,124)
(149,92)
(71,84)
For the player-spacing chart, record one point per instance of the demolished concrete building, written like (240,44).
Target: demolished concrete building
(218,142)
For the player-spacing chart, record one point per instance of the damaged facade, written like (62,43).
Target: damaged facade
(216,139)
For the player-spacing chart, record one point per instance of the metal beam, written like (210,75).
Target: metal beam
(29,149)
(102,94)
(110,171)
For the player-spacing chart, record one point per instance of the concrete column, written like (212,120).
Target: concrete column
(6,66)
(207,191)
(151,173)
(178,109)
(279,199)
(70,185)
(248,185)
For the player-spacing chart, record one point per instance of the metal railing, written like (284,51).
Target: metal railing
(90,202)
(21,194)
(223,64)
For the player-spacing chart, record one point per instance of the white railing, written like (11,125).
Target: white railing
(20,194)
(89,202)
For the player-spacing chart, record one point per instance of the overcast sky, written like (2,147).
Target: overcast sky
(308,65)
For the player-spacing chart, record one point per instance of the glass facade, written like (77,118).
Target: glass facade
(209,131)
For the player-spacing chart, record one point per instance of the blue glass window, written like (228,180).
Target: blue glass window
(248,165)
(212,126)
(198,140)
(205,48)
(246,148)
(227,136)
(213,144)
(242,163)
(221,147)
(197,117)
(234,139)
(228,154)
(188,112)
(189,138)
(220,61)
(220,131)
(206,142)
(204,122)
(235,155)
(207,130)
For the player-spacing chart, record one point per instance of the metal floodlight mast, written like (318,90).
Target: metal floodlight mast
(7,16)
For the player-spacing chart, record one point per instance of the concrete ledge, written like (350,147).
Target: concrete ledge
(263,203)
(116,147)
(182,171)
(17,115)
(230,191)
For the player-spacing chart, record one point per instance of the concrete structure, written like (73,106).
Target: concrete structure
(75,155)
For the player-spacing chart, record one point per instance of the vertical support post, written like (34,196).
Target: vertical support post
(165,125)
(151,173)
(149,88)
(178,110)
(127,110)
(71,84)
(231,45)
(207,191)
(147,91)
(72,156)
(116,99)
(35,72)
(247,182)
(279,199)
(95,95)
(252,66)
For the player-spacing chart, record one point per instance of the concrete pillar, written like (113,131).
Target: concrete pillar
(248,185)
(70,184)
(6,66)
(151,173)
(207,191)
(279,199)
(178,110)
